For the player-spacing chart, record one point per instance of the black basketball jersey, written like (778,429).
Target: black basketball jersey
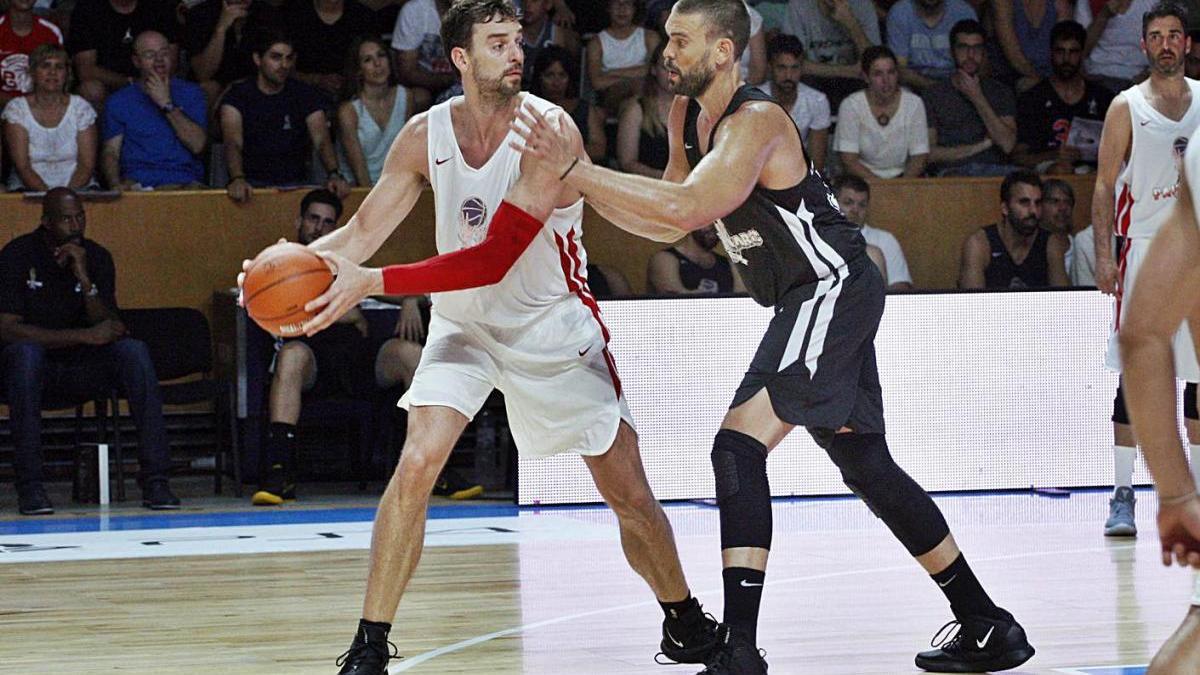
(783,239)
(1003,272)
(715,279)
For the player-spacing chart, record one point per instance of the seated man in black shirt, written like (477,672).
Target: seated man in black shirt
(342,360)
(1015,252)
(100,41)
(1049,109)
(63,340)
(691,266)
(269,123)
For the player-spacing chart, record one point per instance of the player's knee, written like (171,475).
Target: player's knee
(743,490)
(892,495)
(419,463)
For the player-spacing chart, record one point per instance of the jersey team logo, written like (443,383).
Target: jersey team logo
(472,222)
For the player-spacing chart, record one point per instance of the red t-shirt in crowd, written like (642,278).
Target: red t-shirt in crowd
(15,50)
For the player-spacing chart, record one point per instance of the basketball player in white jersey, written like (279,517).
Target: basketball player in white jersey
(530,327)
(1145,131)
(1166,296)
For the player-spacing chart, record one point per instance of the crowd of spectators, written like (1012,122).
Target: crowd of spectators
(243,95)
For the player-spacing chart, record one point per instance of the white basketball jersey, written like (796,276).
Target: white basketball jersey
(551,270)
(1149,181)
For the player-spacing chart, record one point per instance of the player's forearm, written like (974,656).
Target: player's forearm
(635,224)
(1149,381)
(1102,220)
(669,205)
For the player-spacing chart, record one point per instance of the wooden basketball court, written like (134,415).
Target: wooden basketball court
(222,589)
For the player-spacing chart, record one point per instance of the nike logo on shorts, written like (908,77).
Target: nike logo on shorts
(585,350)
(440,162)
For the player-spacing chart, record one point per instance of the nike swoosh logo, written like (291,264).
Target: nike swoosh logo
(1144,123)
(688,147)
(984,641)
(584,351)
(948,582)
(440,162)
(670,637)
(747,584)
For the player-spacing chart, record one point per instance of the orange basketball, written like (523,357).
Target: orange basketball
(280,281)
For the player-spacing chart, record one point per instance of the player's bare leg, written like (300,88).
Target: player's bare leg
(649,546)
(1179,654)
(398,536)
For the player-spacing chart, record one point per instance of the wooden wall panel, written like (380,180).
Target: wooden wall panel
(176,248)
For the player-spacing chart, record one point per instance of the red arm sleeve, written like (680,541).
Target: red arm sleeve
(509,234)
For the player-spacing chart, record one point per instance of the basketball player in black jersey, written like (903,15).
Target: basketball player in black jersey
(737,156)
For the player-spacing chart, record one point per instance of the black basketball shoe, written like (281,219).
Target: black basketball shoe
(977,643)
(368,654)
(692,645)
(277,487)
(734,655)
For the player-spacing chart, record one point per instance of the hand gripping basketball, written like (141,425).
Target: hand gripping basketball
(351,284)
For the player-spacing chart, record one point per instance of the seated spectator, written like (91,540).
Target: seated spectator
(618,58)
(539,31)
(271,122)
(607,282)
(971,117)
(1050,108)
(63,340)
(1016,252)
(51,135)
(754,56)
(642,146)
(101,41)
(882,131)
(20,33)
(853,195)
(834,34)
(918,32)
(555,78)
(421,61)
(322,31)
(1113,55)
(155,128)
(808,107)
(1058,214)
(219,38)
(1023,29)
(1191,60)
(691,267)
(341,360)
(1083,260)
(371,120)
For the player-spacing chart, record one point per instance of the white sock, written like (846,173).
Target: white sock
(1123,459)
(1194,456)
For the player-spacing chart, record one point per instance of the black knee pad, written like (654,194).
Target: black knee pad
(1120,413)
(1189,402)
(894,497)
(743,493)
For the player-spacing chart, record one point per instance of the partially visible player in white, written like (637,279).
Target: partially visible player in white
(1145,132)
(531,329)
(1168,295)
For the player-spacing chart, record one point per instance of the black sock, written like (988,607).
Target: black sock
(743,594)
(373,631)
(683,618)
(281,440)
(963,590)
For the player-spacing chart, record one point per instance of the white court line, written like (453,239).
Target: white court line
(413,661)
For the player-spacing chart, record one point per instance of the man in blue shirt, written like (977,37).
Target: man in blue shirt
(154,128)
(918,31)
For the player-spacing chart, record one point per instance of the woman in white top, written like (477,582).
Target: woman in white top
(881,130)
(617,58)
(373,117)
(51,134)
